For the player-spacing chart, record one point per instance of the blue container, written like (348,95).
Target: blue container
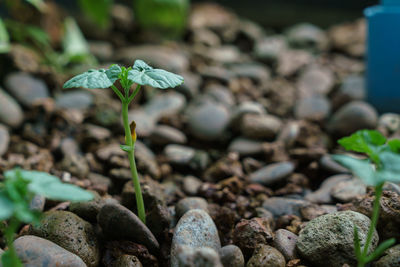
(383,58)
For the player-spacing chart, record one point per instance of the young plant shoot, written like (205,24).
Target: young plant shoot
(16,194)
(382,165)
(140,74)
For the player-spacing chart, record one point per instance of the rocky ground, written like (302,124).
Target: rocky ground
(235,164)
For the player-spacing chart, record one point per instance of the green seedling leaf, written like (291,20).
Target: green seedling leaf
(91,79)
(126,148)
(143,74)
(364,141)
(381,249)
(6,207)
(390,170)
(363,169)
(62,192)
(97,10)
(394,145)
(4,38)
(113,72)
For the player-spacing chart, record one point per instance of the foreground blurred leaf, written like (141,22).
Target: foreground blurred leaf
(4,38)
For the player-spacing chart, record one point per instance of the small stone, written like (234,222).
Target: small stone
(4,139)
(328,240)
(260,126)
(390,258)
(315,80)
(231,256)
(164,105)
(79,99)
(323,193)
(247,107)
(203,256)
(272,173)
(306,35)
(245,147)
(101,50)
(25,88)
(76,164)
(70,232)
(220,94)
(315,108)
(195,230)
(346,191)
(88,210)
(191,86)
(163,135)
(127,261)
(191,185)
(208,120)
(37,203)
(292,61)
(285,242)
(118,222)
(249,233)
(255,71)
(180,155)
(34,251)
(280,206)
(390,122)
(350,37)
(10,112)
(352,88)
(352,117)
(270,48)
(266,256)
(190,203)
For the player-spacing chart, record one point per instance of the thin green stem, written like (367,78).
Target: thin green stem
(132,163)
(374,219)
(9,232)
(119,94)
(134,93)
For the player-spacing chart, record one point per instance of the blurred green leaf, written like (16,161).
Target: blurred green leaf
(62,192)
(394,145)
(4,38)
(381,249)
(364,141)
(363,169)
(91,79)
(6,207)
(97,10)
(74,43)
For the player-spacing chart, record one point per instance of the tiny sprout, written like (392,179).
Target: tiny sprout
(16,193)
(382,165)
(140,74)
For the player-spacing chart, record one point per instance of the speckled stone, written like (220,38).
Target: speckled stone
(231,256)
(35,251)
(195,229)
(190,203)
(328,240)
(266,256)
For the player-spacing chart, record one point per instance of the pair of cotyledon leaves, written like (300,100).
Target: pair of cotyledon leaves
(39,183)
(383,164)
(141,73)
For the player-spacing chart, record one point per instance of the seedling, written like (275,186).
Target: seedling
(16,193)
(141,74)
(382,165)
